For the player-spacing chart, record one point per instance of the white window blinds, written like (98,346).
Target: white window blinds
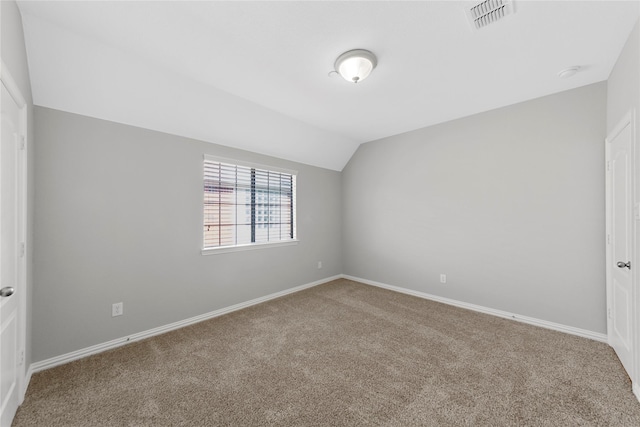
(244,205)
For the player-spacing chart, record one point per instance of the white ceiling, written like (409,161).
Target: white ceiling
(254,75)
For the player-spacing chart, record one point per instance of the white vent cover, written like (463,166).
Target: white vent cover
(488,12)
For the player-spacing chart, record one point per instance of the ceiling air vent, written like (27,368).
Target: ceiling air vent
(488,12)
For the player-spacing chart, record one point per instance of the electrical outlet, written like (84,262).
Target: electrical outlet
(443,278)
(319,265)
(117,309)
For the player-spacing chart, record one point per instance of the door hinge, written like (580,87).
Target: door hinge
(608,239)
(22,249)
(608,165)
(21,358)
(609,313)
(23,142)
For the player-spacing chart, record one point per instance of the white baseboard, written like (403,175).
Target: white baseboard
(99,348)
(636,390)
(525,319)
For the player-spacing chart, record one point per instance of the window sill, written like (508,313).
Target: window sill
(249,247)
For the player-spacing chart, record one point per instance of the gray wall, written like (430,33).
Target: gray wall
(508,203)
(623,95)
(14,55)
(623,86)
(119,218)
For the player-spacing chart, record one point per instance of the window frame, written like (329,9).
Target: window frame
(249,246)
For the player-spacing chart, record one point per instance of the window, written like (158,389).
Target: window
(247,205)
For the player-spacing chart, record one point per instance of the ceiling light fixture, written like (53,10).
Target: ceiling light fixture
(355,65)
(568,72)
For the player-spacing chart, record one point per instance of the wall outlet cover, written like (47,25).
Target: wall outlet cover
(117,309)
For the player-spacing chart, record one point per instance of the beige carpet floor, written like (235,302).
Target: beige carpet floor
(341,354)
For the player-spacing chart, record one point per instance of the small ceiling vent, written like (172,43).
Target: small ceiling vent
(488,12)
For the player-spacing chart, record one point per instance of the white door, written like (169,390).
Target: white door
(10,123)
(619,243)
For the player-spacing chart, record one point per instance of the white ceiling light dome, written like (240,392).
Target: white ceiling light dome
(356,65)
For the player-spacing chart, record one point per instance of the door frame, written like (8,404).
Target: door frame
(23,249)
(627,120)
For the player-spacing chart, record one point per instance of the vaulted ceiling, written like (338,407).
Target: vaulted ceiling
(254,75)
